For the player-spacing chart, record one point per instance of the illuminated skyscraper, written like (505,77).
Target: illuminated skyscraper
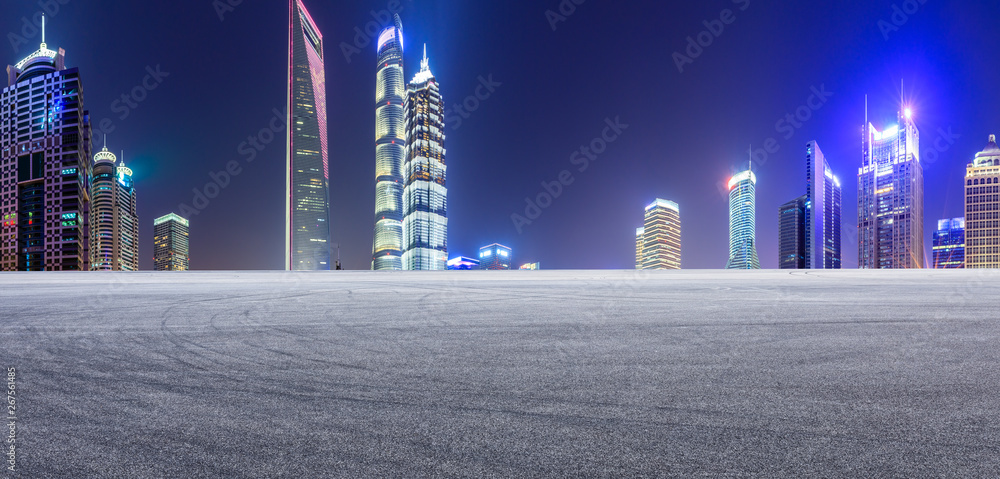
(463,263)
(390,148)
(822,212)
(45,166)
(638,247)
(425,196)
(813,241)
(494,256)
(791,234)
(660,243)
(891,197)
(171,244)
(114,224)
(982,208)
(307,205)
(743,222)
(949,244)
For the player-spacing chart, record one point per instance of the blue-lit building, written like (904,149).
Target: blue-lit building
(891,197)
(810,225)
(463,263)
(45,166)
(743,221)
(949,244)
(495,256)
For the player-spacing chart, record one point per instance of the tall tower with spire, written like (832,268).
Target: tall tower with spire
(44,200)
(307,181)
(743,221)
(891,195)
(425,194)
(390,145)
(114,224)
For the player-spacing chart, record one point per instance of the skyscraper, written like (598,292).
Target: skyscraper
(791,234)
(170,244)
(638,247)
(425,196)
(660,243)
(114,224)
(982,208)
(45,166)
(390,149)
(813,241)
(743,221)
(307,205)
(822,212)
(891,197)
(494,256)
(949,244)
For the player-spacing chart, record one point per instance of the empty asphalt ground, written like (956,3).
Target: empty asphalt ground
(505,374)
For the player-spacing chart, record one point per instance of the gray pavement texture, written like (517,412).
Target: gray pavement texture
(505,374)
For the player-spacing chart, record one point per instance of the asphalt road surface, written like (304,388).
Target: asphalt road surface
(504,374)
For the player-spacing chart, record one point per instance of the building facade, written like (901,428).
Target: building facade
(743,221)
(114,222)
(949,244)
(531,266)
(307,205)
(822,212)
(45,166)
(425,194)
(982,208)
(638,247)
(891,197)
(171,250)
(463,263)
(390,149)
(791,234)
(659,246)
(495,256)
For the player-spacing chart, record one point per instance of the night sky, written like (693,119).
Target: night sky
(687,131)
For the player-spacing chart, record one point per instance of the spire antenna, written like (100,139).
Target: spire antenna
(105,141)
(43,30)
(424,64)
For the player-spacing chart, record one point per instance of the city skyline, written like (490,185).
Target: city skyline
(832,125)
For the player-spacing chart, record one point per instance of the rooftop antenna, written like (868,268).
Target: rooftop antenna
(105,141)
(423,63)
(43,31)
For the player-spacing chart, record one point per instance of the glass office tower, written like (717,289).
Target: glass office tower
(743,221)
(307,205)
(45,166)
(390,148)
(661,236)
(425,196)
(982,208)
(171,249)
(114,223)
(791,234)
(891,197)
(822,212)
(949,244)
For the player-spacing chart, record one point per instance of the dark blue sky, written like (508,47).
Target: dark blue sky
(686,131)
